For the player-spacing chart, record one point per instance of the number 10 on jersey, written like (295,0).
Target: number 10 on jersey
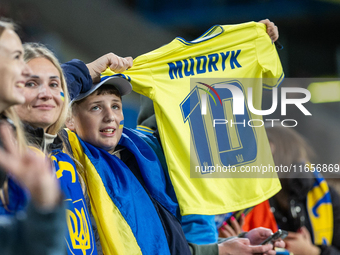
(232,144)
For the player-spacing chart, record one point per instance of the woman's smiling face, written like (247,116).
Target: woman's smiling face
(13,70)
(43,94)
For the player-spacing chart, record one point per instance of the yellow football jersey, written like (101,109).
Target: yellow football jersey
(175,77)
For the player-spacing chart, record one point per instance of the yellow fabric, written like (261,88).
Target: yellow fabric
(322,224)
(65,166)
(115,234)
(150,77)
(80,238)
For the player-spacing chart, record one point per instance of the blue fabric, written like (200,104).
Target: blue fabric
(128,194)
(285,252)
(79,238)
(74,200)
(18,199)
(153,175)
(156,147)
(221,218)
(200,229)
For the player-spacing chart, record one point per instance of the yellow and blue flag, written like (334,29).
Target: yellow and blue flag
(127,220)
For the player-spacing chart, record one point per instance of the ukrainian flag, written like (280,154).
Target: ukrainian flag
(127,220)
(121,124)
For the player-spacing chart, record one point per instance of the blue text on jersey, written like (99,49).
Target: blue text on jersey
(203,64)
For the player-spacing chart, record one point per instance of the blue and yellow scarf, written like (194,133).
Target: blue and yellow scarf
(79,238)
(320,211)
(127,221)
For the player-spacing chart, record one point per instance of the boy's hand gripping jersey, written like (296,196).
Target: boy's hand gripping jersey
(173,76)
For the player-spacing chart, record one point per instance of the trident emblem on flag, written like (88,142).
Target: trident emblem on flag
(79,230)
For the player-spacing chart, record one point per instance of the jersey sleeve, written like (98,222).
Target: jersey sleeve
(140,76)
(268,59)
(142,80)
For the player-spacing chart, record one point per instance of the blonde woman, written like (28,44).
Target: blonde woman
(41,231)
(306,206)
(43,114)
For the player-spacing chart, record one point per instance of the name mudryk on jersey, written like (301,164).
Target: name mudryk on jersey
(202,64)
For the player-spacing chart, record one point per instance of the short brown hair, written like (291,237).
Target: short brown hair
(108,90)
(102,90)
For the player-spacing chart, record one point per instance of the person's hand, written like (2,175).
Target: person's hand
(258,235)
(272,30)
(242,246)
(117,64)
(301,243)
(31,169)
(233,229)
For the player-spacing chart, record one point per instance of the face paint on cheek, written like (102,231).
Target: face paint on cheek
(121,124)
(62,96)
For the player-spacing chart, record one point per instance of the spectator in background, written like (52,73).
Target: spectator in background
(306,206)
(41,230)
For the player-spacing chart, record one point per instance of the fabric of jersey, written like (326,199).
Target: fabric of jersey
(227,53)
(127,220)
(200,229)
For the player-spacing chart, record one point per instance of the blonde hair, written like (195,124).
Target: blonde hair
(37,50)
(11,114)
(22,146)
